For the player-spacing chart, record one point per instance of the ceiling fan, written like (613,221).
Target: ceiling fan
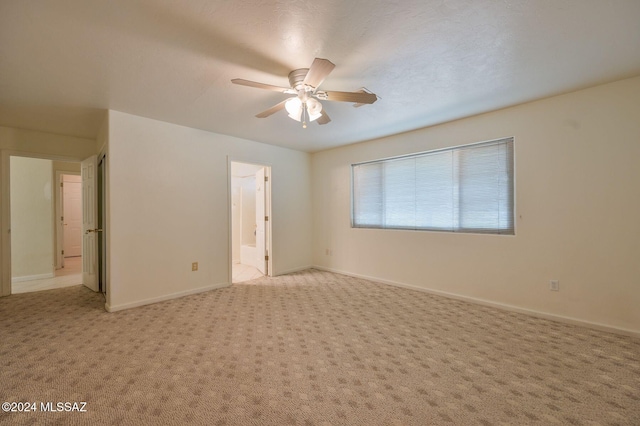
(304,83)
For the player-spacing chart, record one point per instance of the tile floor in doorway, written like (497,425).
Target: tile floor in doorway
(68,276)
(241,273)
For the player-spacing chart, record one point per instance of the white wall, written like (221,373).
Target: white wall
(169,207)
(63,166)
(577,209)
(60,147)
(32,244)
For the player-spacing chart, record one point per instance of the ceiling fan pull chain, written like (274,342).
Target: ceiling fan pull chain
(304,115)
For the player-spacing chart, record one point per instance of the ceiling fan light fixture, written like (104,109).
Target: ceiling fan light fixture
(297,116)
(314,109)
(294,108)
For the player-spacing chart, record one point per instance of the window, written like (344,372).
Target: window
(462,189)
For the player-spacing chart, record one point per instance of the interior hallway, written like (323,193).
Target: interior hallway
(68,276)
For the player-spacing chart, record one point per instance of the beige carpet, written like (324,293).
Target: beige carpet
(312,348)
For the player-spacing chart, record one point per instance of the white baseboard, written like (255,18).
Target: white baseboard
(291,271)
(115,308)
(504,306)
(32,277)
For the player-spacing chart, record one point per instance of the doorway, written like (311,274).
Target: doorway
(71,217)
(38,238)
(19,265)
(250,190)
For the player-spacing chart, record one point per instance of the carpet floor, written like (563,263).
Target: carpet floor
(310,348)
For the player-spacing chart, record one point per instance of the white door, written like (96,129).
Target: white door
(261,245)
(72,214)
(89,222)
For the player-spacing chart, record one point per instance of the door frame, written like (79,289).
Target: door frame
(5,209)
(103,222)
(59,196)
(267,207)
(90,261)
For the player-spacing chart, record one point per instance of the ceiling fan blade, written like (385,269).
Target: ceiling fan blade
(319,70)
(355,97)
(324,118)
(260,85)
(272,110)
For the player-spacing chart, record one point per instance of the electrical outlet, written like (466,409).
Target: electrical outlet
(554,285)
(194,266)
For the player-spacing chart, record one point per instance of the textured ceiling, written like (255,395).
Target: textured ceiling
(63,62)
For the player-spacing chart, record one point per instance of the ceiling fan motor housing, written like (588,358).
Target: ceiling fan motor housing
(296,79)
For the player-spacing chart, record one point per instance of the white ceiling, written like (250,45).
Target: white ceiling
(63,62)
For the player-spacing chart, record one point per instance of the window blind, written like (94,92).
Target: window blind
(461,189)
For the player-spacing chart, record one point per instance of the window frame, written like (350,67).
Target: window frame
(511,188)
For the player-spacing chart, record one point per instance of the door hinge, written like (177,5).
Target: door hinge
(61,184)
(266,178)
(62,251)
(61,218)
(266,258)
(266,218)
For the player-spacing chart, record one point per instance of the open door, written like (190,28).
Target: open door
(89,222)
(261,240)
(72,215)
